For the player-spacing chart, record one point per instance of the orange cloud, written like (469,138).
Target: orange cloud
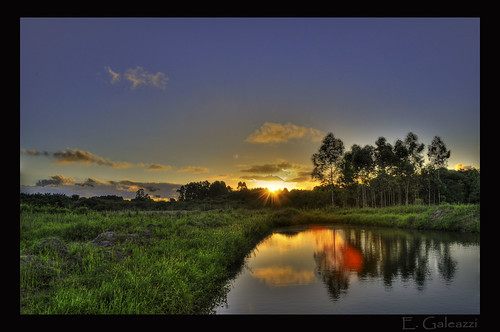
(279,133)
(462,167)
(194,169)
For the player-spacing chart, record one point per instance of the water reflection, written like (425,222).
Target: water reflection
(283,276)
(339,253)
(344,269)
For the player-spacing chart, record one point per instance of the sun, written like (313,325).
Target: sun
(272,186)
(274,189)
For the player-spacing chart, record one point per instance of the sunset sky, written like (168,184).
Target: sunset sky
(108,106)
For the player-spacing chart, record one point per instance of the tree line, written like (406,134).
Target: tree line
(370,176)
(392,174)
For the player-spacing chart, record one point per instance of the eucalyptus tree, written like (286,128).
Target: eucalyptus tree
(409,159)
(326,161)
(438,155)
(385,163)
(363,162)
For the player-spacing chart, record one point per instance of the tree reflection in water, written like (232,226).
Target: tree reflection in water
(380,253)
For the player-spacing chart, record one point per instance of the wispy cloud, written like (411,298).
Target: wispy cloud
(281,170)
(79,156)
(262,178)
(155,167)
(282,133)
(115,77)
(268,168)
(72,156)
(139,77)
(194,169)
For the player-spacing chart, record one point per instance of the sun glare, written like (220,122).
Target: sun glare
(273,186)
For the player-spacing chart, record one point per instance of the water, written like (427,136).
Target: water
(358,270)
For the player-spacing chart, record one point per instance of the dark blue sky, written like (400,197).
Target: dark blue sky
(187,94)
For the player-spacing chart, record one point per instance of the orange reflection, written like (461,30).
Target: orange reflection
(283,276)
(338,254)
(332,254)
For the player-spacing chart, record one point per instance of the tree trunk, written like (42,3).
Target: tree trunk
(331,179)
(407,189)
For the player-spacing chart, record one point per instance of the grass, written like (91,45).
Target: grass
(445,217)
(169,262)
(156,263)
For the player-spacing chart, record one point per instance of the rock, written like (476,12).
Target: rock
(104,240)
(27,259)
(52,244)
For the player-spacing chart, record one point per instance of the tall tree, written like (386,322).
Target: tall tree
(438,155)
(385,162)
(326,159)
(409,159)
(364,165)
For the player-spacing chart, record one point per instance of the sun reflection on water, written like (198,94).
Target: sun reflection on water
(331,252)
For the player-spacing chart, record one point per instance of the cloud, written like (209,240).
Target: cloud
(279,133)
(194,169)
(462,167)
(155,167)
(302,176)
(115,77)
(287,171)
(268,168)
(79,156)
(71,156)
(34,152)
(56,180)
(139,77)
(262,178)
(96,187)
(91,182)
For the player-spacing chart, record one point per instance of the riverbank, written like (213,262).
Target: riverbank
(132,262)
(169,262)
(446,217)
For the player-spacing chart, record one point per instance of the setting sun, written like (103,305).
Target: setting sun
(273,186)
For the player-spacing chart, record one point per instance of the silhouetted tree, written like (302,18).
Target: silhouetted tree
(217,188)
(438,155)
(325,161)
(242,186)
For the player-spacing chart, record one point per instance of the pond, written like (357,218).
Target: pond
(335,269)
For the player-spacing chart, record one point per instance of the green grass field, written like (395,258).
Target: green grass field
(169,262)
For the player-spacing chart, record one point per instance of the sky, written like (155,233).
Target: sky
(111,105)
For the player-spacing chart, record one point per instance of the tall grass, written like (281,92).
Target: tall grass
(159,263)
(445,217)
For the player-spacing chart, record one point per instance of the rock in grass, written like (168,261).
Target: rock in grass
(104,240)
(52,244)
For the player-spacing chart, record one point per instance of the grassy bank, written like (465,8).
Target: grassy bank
(129,262)
(132,263)
(446,217)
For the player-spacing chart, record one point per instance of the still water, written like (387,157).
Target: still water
(326,269)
